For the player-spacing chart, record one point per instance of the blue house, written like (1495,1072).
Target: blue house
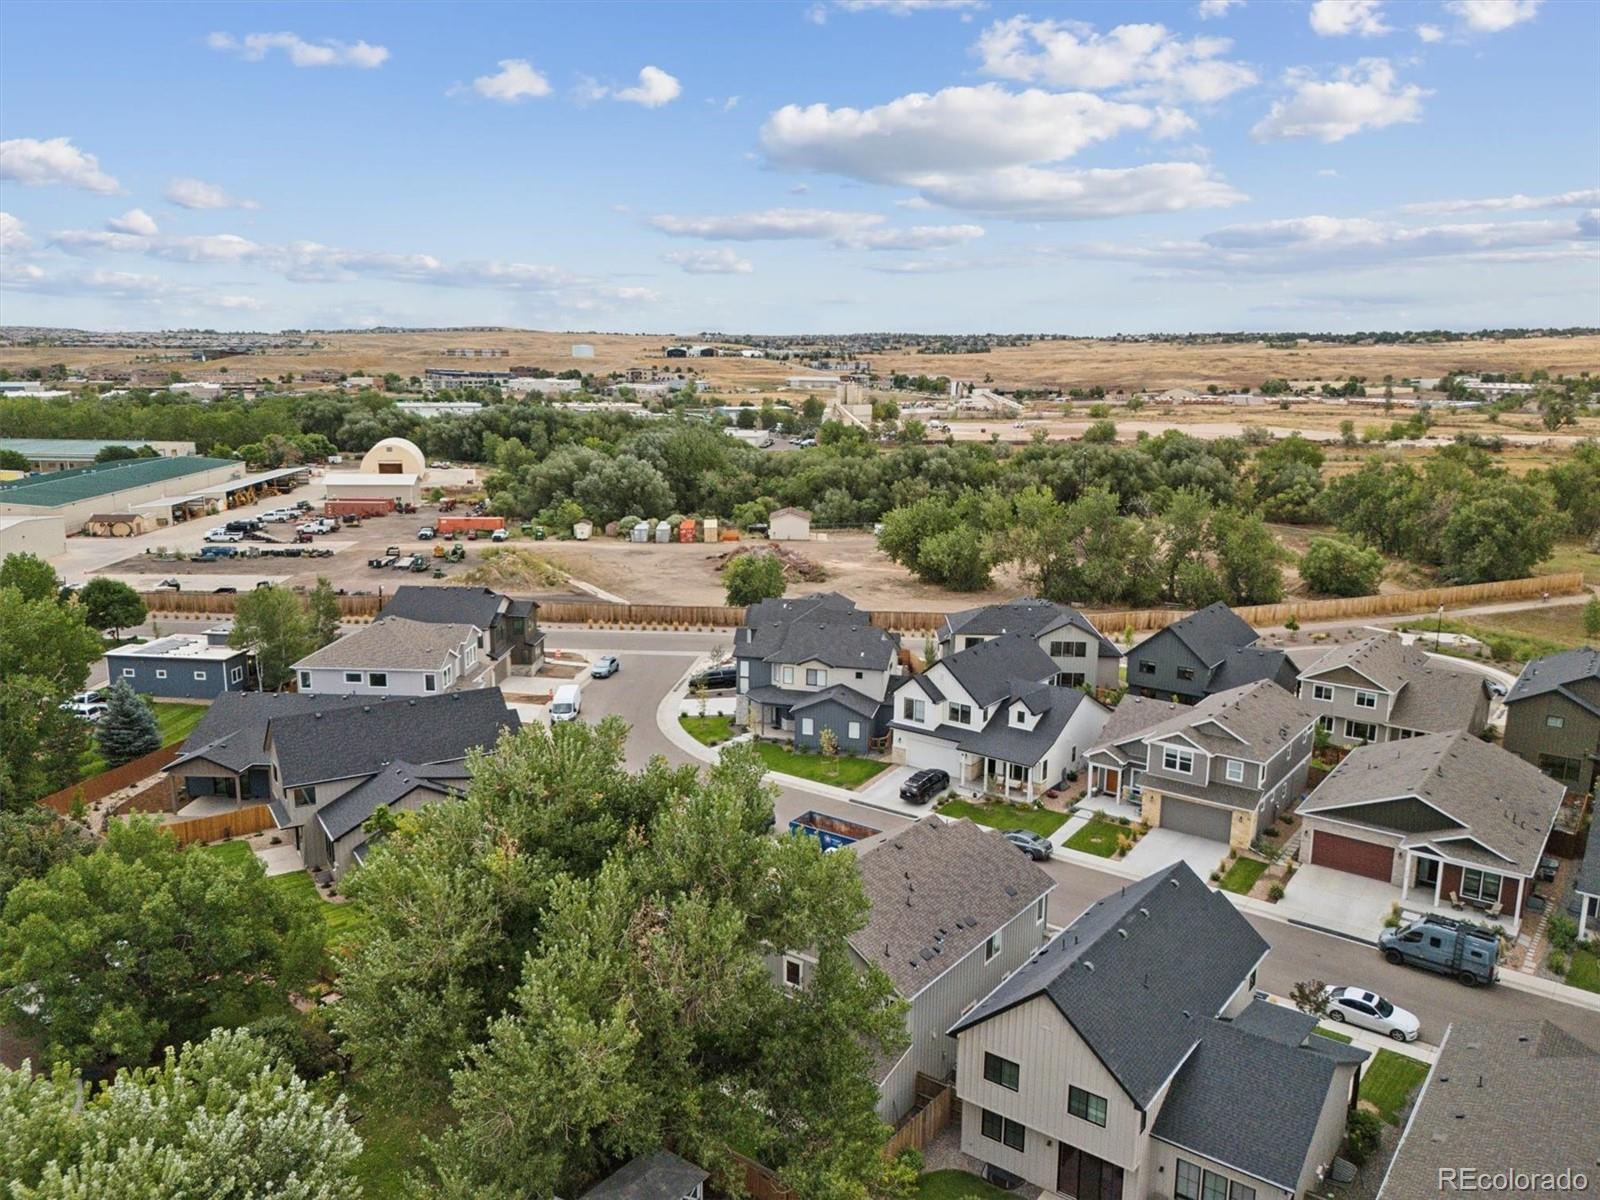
(184,666)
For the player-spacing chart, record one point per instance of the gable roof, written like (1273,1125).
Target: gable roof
(1012,743)
(1432,696)
(348,740)
(1262,714)
(1503,802)
(1521,1095)
(1382,658)
(1208,633)
(1126,977)
(477,607)
(1247,664)
(827,628)
(398,643)
(1132,716)
(392,784)
(988,670)
(1027,615)
(842,694)
(1291,1027)
(1557,672)
(659,1175)
(938,889)
(233,733)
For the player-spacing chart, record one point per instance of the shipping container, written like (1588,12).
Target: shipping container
(374,507)
(466,524)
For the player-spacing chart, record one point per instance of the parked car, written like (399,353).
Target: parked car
(426,533)
(605,667)
(89,706)
(723,675)
(567,704)
(1445,945)
(499,535)
(1497,690)
(1031,844)
(924,785)
(224,535)
(766,443)
(1368,1010)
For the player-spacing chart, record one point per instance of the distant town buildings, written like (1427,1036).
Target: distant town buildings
(476,352)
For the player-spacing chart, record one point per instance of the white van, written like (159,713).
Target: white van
(566,705)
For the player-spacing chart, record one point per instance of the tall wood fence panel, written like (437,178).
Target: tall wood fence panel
(252,818)
(224,603)
(600,612)
(761,1183)
(922,1126)
(98,787)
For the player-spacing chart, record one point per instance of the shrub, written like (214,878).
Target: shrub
(1275,892)
(1563,932)
(1361,1135)
(1392,921)
(1558,963)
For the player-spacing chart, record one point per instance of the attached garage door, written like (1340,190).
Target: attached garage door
(1201,820)
(1349,854)
(927,752)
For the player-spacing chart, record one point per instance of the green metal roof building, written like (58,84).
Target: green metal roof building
(112,487)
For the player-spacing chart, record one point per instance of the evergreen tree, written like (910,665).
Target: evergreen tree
(128,729)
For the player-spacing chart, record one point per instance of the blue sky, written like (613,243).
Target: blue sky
(829,165)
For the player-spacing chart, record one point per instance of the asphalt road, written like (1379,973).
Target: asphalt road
(653,662)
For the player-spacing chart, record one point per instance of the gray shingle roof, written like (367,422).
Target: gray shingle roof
(660,1175)
(1027,615)
(1555,673)
(1382,658)
(397,643)
(1507,1095)
(1292,1027)
(988,670)
(389,786)
(1433,696)
(1262,714)
(1128,722)
(826,628)
(1126,976)
(1248,664)
(1503,802)
(233,733)
(477,607)
(1208,1108)
(341,742)
(839,693)
(938,889)
(1003,740)
(1209,633)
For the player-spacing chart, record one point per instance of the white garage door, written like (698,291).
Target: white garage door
(925,753)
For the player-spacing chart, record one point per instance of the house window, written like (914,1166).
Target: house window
(1325,724)
(236,674)
(1001,1070)
(1004,1130)
(1185,672)
(853,731)
(744,670)
(127,672)
(378,679)
(1087,1106)
(1019,716)
(1068,650)
(793,972)
(201,675)
(1234,770)
(805,725)
(1322,692)
(1069,679)
(992,947)
(961,714)
(1564,770)
(913,710)
(430,682)
(1038,911)
(352,676)
(860,675)
(1240,1191)
(788,674)
(305,680)
(1556,722)
(815,678)
(1195,1184)
(1366,699)
(1480,885)
(161,672)
(1179,761)
(1146,667)
(1361,731)
(304,796)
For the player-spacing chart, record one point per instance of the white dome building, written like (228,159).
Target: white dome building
(394,456)
(392,470)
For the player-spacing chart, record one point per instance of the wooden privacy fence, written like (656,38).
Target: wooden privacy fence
(761,1183)
(98,787)
(922,1126)
(252,818)
(224,603)
(599,612)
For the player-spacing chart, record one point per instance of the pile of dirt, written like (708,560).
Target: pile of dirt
(797,568)
(514,569)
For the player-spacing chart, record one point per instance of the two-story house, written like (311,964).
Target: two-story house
(395,656)
(1223,769)
(1120,1061)
(510,638)
(815,663)
(1082,654)
(1553,717)
(955,909)
(1379,689)
(325,764)
(1208,651)
(992,717)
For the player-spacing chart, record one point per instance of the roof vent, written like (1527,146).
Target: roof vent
(1187,1015)
(1089,967)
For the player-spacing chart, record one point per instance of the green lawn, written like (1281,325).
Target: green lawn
(391,1135)
(708,731)
(1242,876)
(1005,816)
(841,770)
(341,920)
(955,1185)
(1099,837)
(1509,641)
(174,720)
(1584,971)
(1333,1034)
(1389,1081)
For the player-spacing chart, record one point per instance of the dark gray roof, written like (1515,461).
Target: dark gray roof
(1027,615)
(660,1175)
(1126,976)
(857,702)
(233,733)
(987,671)
(1209,633)
(1261,716)
(445,605)
(1014,744)
(1248,664)
(1486,794)
(1292,1027)
(1520,1095)
(392,784)
(938,889)
(1209,1111)
(1588,880)
(1122,735)
(826,628)
(338,743)
(1557,672)
(395,643)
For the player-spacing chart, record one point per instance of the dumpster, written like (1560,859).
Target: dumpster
(832,832)
(663,533)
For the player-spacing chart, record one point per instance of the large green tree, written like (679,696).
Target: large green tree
(111,604)
(753,577)
(32,840)
(127,729)
(219,1119)
(322,610)
(45,654)
(1335,567)
(30,575)
(272,622)
(113,955)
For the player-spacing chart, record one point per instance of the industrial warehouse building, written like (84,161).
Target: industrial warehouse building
(66,454)
(391,470)
(123,486)
(44,536)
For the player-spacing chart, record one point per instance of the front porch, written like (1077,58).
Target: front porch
(1015,782)
(1438,884)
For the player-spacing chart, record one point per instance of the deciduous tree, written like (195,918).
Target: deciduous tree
(111,604)
(272,622)
(30,575)
(750,578)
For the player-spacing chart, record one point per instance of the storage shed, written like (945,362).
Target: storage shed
(118,524)
(583,530)
(789,525)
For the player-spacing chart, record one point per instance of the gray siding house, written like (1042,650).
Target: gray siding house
(184,666)
(510,639)
(1379,689)
(1080,652)
(1553,717)
(1122,1059)
(1208,651)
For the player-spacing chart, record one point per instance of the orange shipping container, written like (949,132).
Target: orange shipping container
(464,524)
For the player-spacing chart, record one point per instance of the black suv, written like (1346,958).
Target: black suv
(724,675)
(924,785)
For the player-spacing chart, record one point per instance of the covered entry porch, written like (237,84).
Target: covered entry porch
(1431,879)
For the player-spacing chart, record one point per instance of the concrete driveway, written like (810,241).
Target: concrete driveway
(1338,900)
(1160,848)
(883,791)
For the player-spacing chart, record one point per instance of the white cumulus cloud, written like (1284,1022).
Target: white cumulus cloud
(135,221)
(1144,60)
(655,88)
(1341,18)
(1360,97)
(14,237)
(715,261)
(1492,16)
(517,79)
(1210,10)
(1039,194)
(327,53)
(197,193)
(1430,33)
(39,163)
(1578,198)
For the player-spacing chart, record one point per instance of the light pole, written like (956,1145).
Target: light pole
(1438,629)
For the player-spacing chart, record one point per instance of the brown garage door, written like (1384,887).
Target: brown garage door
(1348,854)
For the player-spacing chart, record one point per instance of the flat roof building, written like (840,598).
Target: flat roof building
(76,495)
(63,454)
(184,666)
